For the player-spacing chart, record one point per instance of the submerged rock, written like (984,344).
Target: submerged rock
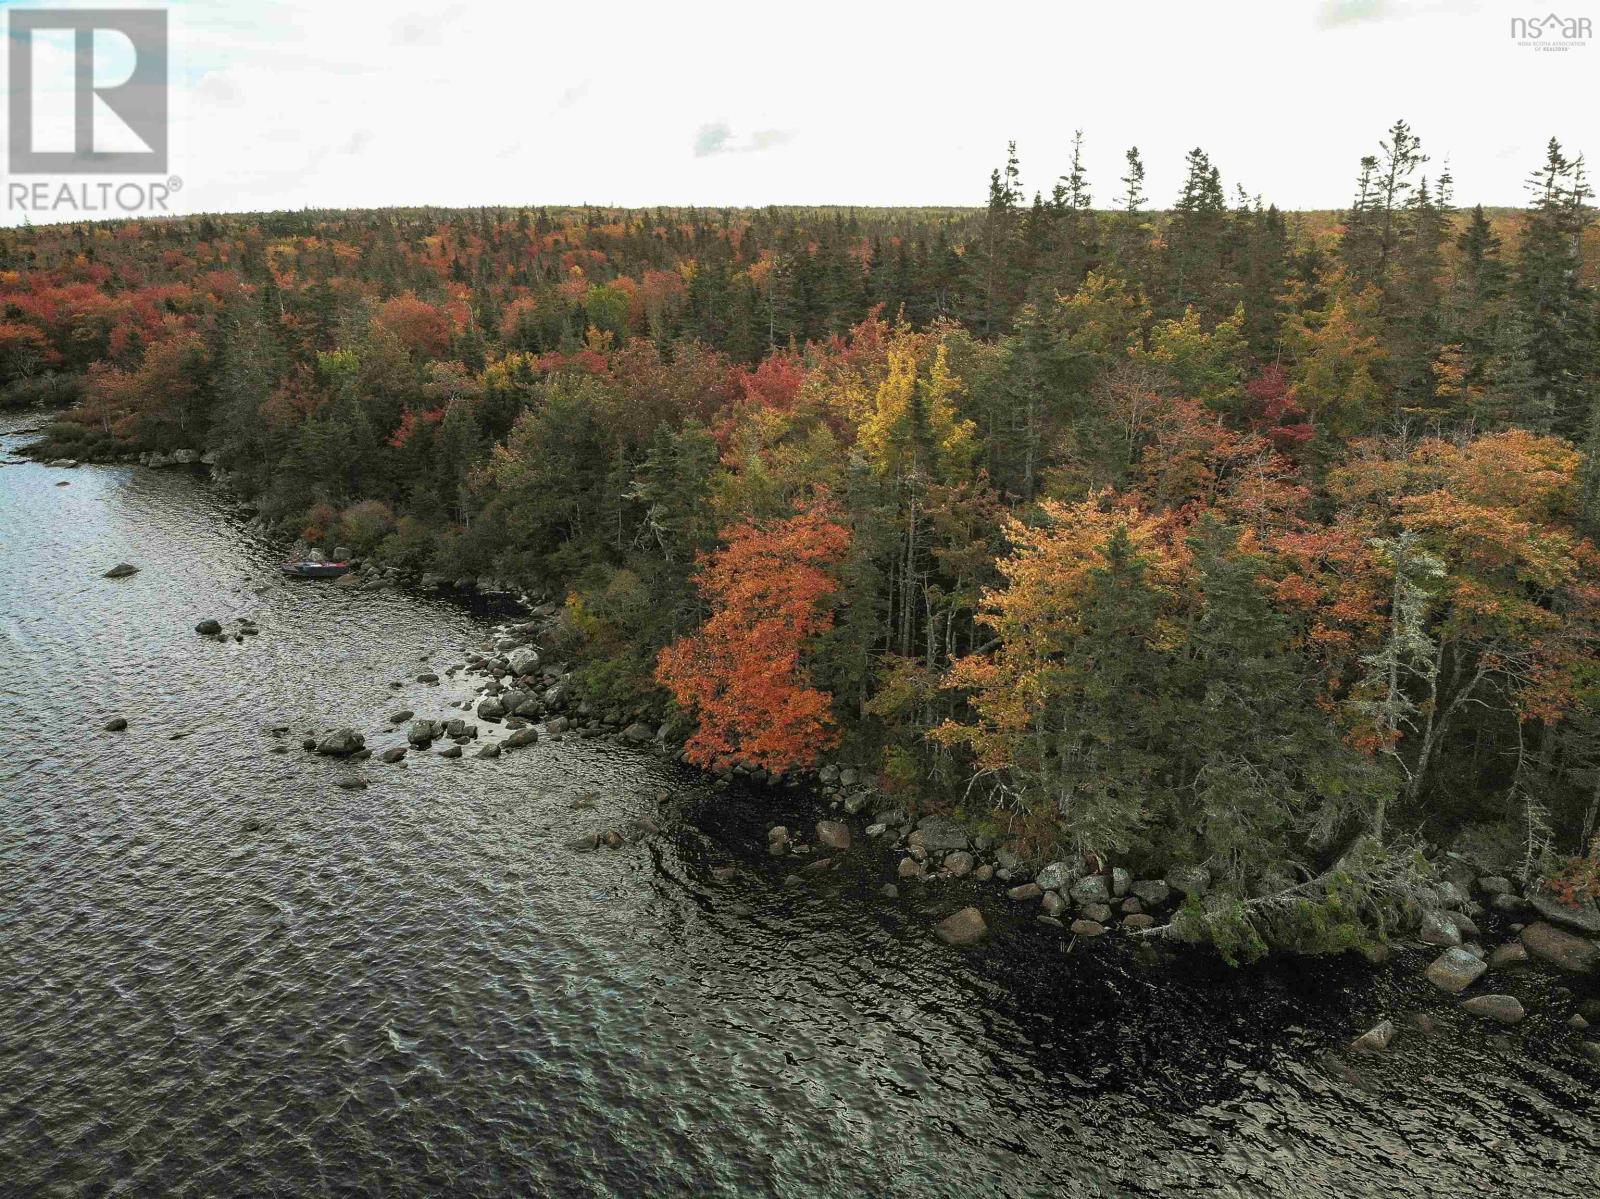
(208,628)
(121,571)
(450,751)
(965,927)
(1375,1040)
(116,724)
(393,755)
(341,743)
(521,737)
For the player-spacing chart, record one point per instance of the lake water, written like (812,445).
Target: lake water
(417,989)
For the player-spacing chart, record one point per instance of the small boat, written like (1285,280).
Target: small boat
(315,570)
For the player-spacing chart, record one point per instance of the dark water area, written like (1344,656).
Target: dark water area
(222,974)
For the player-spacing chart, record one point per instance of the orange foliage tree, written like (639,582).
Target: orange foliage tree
(743,673)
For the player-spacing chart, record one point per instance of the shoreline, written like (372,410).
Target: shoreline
(519,688)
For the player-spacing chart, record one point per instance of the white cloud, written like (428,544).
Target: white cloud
(718,137)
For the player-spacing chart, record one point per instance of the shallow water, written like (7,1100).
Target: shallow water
(416,989)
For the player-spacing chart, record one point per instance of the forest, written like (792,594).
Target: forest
(1203,533)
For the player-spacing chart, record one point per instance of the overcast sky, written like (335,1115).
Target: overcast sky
(293,103)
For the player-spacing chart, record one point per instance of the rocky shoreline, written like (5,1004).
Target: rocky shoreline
(532,696)
(522,693)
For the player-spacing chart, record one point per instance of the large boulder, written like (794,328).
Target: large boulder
(1504,1008)
(1439,929)
(1151,891)
(957,864)
(835,834)
(1189,880)
(1096,888)
(491,707)
(639,732)
(1582,917)
(341,743)
(1512,953)
(421,732)
(1561,949)
(1455,970)
(966,927)
(1055,876)
(1449,895)
(936,832)
(521,737)
(523,660)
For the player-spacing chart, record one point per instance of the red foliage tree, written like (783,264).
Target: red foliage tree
(743,673)
(421,328)
(1273,409)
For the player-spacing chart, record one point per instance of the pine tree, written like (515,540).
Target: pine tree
(1195,241)
(1556,307)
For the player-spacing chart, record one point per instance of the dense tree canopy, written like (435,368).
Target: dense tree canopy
(1213,534)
